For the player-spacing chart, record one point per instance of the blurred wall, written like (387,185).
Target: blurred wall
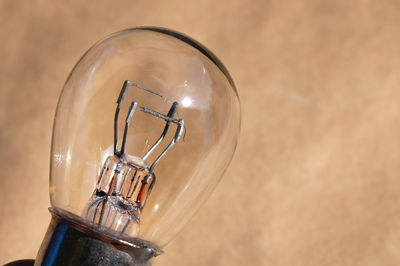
(315,180)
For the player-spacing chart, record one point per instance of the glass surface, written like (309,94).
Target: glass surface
(163,67)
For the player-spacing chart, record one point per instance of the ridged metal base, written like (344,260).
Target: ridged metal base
(69,243)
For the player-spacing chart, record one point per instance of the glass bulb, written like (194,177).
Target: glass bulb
(145,127)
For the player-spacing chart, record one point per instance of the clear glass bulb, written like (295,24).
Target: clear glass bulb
(146,125)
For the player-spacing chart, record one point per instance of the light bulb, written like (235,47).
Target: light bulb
(145,127)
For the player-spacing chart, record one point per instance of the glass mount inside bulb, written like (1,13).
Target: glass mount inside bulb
(126,181)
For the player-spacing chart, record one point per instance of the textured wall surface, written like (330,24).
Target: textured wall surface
(315,180)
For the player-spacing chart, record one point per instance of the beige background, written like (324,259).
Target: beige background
(315,180)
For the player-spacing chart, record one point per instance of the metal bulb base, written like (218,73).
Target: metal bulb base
(69,243)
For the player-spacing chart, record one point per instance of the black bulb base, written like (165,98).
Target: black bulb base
(69,243)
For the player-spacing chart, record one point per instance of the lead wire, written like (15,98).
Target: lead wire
(153,181)
(119,102)
(118,170)
(175,139)
(130,185)
(171,113)
(177,136)
(127,122)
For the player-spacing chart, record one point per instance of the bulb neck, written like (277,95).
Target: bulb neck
(69,243)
